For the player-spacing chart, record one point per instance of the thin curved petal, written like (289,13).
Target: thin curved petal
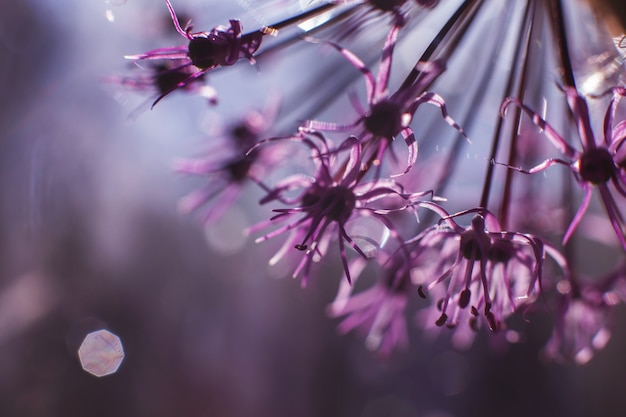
(579,214)
(549,131)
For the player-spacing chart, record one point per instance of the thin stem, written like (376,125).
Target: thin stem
(567,197)
(467,120)
(466,10)
(507,194)
(495,144)
(297,37)
(273,29)
(558,22)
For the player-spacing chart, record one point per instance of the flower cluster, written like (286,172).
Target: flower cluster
(466,271)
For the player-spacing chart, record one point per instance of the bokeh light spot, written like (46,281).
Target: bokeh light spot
(101,353)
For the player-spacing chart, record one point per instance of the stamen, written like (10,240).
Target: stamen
(464,298)
(420,292)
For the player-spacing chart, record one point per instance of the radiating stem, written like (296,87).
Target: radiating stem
(495,143)
(558,23)
(297,37)
(463,15)
(467,119)
(273,29)
(523,47)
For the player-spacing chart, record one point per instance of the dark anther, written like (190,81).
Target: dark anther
(301,247)
(474,311)
(597,166)
(487,308)
(385,120)
(491,320)
(464,298)
(420,292)
(440,304)
(451,325)
(442,320)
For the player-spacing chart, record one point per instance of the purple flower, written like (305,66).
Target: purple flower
(585,318)
(226,179)
(328,201)
(222,46)
(379,311)
(389,115)
(229,167)
(487,273)
(598,164)
(162,78)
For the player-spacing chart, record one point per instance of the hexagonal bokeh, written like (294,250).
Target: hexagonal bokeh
(101,353)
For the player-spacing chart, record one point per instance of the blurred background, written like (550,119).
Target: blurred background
(90,239)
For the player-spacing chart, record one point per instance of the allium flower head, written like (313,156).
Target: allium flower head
(327,185)
(328,200)
(596,165)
